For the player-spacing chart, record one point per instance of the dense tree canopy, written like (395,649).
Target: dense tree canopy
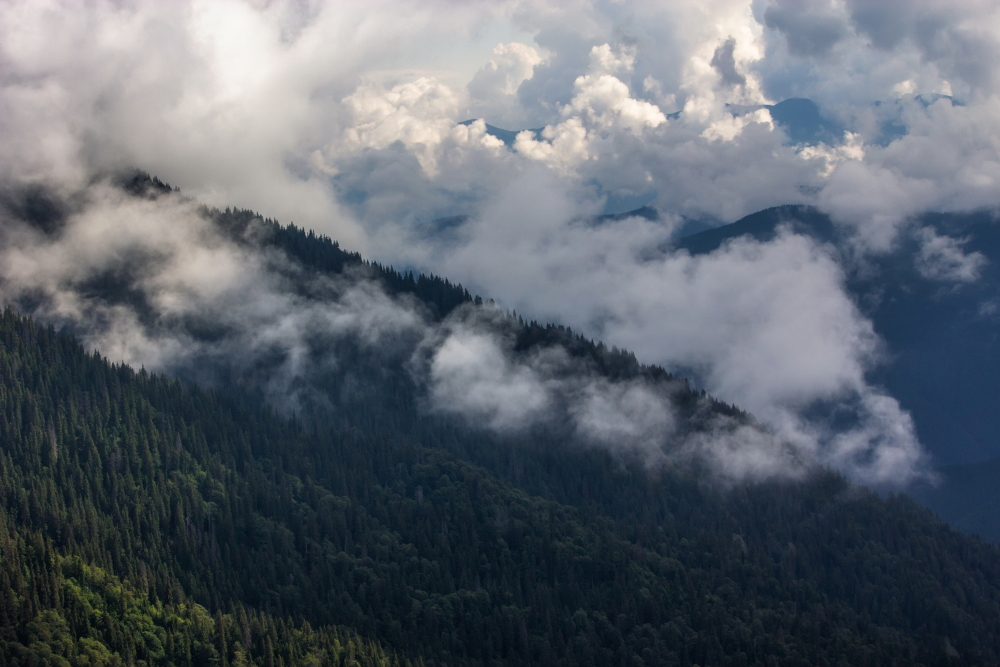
(148,521)
(140,517)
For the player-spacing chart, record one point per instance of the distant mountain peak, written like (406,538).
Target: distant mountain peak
(800,118)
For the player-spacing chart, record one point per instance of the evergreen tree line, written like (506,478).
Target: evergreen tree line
(148,522)
(434,541)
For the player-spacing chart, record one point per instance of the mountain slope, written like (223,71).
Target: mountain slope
(942,338)
(941,334)
(364,509)
(210,496)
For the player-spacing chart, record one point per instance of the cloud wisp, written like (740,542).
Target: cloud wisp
(768,326)
(155,281)
(346,118)
(472,371)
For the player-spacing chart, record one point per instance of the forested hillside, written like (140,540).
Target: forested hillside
(533,333)
(940,332)
(129,499)
(941,336)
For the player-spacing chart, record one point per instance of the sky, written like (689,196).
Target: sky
(344,118)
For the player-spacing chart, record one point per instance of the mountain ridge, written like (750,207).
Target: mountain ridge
(438,540)
(179,474)
(943,367)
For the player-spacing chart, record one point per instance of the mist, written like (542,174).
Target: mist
(345,120)
(155,281)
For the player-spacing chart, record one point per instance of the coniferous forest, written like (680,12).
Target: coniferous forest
(146,520)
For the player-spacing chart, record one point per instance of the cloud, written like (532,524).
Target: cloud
(766,326)
(942,258)
(605,60)
(493,89)
(880,446)
(725,64)
(810,28)
(343,117)
(959,38)
(512,65)
(208,95)
(737,451)
(419,115)
(942,163)
(604,101)
(154,283)
(473,372)
(236,99)
(601,104)
(625,415)
(473,375)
